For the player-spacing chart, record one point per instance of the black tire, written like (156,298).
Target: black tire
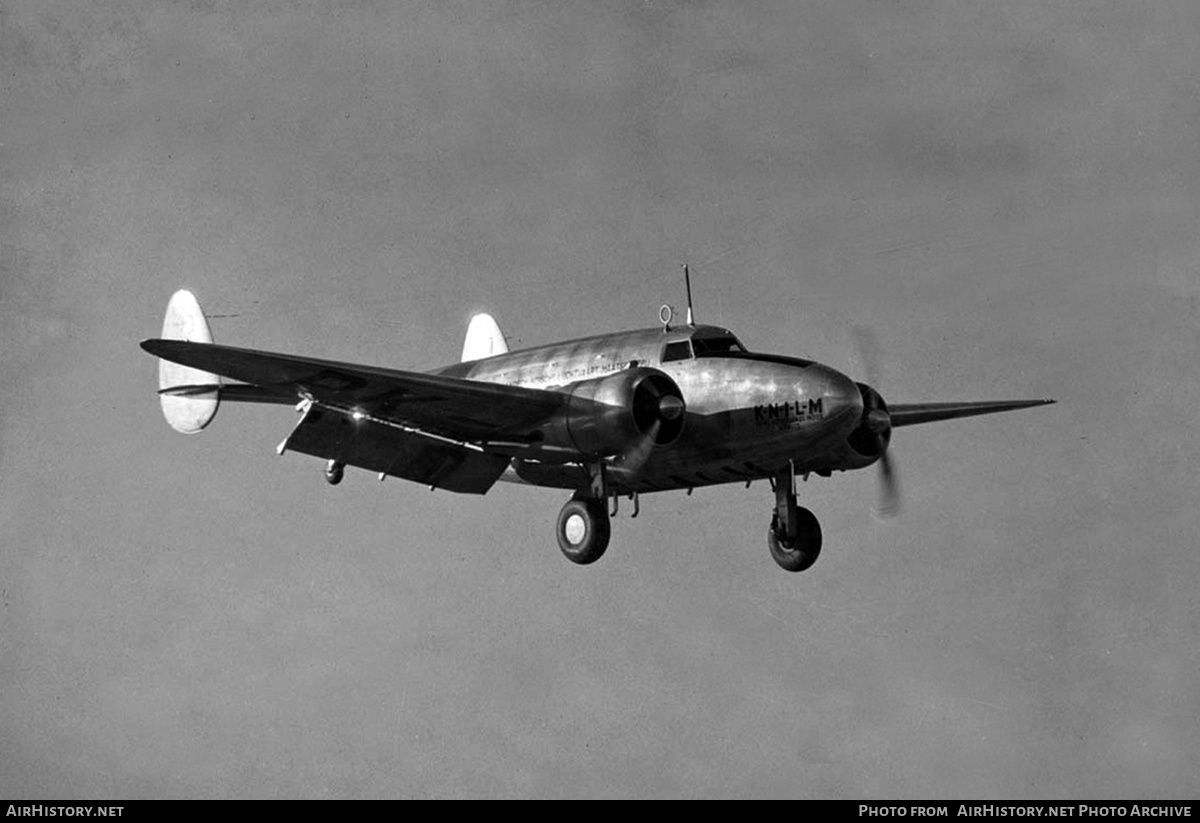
(583,530)
(801,553)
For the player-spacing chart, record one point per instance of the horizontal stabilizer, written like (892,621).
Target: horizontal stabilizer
(238,392)
(192,411)
(910,414)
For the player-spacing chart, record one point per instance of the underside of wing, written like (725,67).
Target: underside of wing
(395,451)
(445,432)
(910,414)
(451,407)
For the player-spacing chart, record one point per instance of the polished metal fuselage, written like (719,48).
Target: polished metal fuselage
(748,415)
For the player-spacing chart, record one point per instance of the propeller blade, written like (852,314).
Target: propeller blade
(869,353)
(633,458)
(879,423)
(889,486)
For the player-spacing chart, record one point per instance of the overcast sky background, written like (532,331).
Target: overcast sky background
(1007,194)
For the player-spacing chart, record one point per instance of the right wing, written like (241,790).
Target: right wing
(910,414)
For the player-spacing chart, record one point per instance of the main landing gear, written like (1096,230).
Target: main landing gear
(584,528)
(794,536)
(584,525)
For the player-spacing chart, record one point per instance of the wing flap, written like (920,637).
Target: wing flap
(378,447)
(911,414)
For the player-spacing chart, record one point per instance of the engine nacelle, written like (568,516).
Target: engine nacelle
(608,415)
(869,439)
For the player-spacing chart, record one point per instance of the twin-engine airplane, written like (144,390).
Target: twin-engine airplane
(608,416)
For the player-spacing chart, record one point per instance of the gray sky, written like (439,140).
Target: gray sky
(1005,193)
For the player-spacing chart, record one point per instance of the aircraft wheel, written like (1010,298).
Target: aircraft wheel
(583,530)
(798,554)
(334,472)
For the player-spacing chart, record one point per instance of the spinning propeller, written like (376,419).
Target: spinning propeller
(661,408)
(876,425)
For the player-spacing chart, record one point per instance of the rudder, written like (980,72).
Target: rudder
(484,339)
(189,396)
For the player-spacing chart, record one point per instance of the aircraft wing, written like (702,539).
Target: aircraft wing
(449,406)
(910,414)
(424,427)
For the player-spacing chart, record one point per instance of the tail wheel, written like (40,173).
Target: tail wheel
(583,530)
(798,553)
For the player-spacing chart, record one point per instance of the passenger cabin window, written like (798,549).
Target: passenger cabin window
(717,345)
(679,350)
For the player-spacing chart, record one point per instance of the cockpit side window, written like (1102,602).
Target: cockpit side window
(679,350)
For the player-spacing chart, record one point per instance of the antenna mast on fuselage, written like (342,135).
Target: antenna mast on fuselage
(687,280)
(666,313)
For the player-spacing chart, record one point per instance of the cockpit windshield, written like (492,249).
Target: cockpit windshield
(725,344)
(704,346)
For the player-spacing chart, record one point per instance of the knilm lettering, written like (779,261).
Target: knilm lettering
(794,410)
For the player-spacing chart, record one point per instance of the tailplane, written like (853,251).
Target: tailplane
(484,339)
(189,396)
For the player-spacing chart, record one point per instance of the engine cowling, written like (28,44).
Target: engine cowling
(869,439)
(874,431)
(608,415)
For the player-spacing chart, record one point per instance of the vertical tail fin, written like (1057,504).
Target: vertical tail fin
(189,396)
(484,339)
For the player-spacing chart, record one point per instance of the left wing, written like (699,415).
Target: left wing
(447,432)
(452,407)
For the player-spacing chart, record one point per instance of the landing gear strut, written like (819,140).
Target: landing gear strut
(794,536)
(584,527)
(334,471)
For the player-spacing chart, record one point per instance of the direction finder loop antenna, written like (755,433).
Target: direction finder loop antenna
(665,315)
